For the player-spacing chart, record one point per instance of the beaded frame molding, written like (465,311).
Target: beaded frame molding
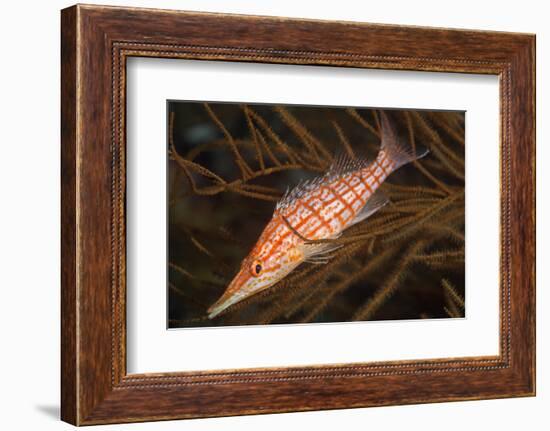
(95,43)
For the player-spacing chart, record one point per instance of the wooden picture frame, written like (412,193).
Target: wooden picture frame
(96,41)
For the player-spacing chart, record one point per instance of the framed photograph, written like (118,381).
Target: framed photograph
(264,215)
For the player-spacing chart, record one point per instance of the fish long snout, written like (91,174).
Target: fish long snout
(219,306)
(233,294)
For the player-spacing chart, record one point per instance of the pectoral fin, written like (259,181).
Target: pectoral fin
(320,252)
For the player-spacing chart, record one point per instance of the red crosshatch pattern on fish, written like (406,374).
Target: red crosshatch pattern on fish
(318,209)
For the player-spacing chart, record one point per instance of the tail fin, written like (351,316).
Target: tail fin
(396,148)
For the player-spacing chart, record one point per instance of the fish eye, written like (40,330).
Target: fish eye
(256,268)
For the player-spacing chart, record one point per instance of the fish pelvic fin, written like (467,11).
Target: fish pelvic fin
(397,148)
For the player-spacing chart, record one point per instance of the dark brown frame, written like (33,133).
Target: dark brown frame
(95,43)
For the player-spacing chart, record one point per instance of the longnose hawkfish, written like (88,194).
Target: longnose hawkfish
(317,209)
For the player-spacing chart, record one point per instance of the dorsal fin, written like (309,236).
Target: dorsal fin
(299,191)
(342,165)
